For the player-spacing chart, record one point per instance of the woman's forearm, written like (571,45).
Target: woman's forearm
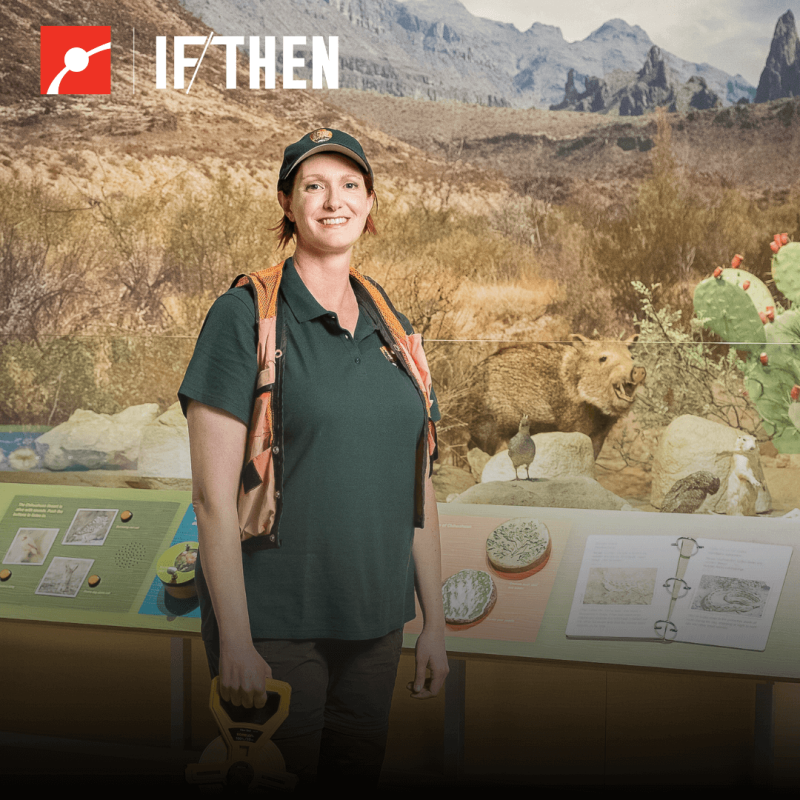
(427,555)
(217,443)
(221,555)
(430,650)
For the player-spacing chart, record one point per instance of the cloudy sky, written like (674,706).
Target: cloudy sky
(733,35)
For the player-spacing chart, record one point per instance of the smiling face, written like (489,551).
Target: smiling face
(329,204)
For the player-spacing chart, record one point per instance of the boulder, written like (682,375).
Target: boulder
(449,480)
(575,492)
(96,441)
(165,446)
(477,460)
(691,444)
(558,455)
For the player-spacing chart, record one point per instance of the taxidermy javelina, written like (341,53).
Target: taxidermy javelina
(583,386)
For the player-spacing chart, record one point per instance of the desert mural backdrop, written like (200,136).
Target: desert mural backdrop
(596,239)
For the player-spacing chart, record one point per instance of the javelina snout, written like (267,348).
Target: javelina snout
(625,390)
(583,386)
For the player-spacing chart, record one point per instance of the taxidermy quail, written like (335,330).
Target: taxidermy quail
(688,494)
(521,448)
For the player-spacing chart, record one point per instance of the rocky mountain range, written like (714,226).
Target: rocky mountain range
(436,49)
(781,75)
(632,94)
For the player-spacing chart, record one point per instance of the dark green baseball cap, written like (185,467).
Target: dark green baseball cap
(320,141)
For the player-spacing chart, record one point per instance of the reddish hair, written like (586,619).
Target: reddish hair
(285,228)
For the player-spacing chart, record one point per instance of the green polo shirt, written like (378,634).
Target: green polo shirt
(351,420)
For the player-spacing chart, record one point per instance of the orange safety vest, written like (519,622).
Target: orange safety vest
(259,501)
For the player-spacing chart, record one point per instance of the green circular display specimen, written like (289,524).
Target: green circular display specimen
(176,565)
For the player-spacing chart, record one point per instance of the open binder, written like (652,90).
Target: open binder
(660,588)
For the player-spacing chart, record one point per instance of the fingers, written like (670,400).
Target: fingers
(422,689)
(242,680)
(437,680)
(420,681)
(239,696)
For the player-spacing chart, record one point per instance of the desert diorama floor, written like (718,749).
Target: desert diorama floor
(632,483)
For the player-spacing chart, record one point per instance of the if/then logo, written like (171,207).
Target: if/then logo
(75,59)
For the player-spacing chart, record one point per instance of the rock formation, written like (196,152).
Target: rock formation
(781,75)
(436,49)
(631,95)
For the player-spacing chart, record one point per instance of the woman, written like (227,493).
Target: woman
(310,553)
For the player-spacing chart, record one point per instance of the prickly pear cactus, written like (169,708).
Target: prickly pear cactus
(729,310)
(786,270)
(794,414)
(739,308)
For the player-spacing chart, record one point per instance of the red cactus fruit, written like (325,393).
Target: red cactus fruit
(763,317)
(771,313)
(777,238)
(774,246)
(717,272)
(795,393)
(736,260)
(746,285)
(764,359)
(784,238)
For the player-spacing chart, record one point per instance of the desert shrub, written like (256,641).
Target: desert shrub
(46,252)
(423,257)
(686,375)
(680,226)
(525,220)
(218,234)
(42,384)
(133,229)
(655,242)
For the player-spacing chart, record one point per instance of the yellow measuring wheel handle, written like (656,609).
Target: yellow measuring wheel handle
(245,755)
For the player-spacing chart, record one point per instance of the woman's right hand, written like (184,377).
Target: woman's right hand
(242,675)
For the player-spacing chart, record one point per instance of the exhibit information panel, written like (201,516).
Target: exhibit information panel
(125,558)
(96,557)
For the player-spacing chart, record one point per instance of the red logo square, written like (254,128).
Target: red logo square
(75,59)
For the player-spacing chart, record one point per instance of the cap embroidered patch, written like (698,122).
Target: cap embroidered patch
(320,135)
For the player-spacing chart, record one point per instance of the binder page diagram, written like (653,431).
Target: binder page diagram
(706,591)
(732,594)
(620,592)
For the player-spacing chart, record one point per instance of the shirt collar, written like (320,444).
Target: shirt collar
(305,306)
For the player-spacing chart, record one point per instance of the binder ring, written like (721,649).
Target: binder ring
(685,589)
(688,539)
(663,627)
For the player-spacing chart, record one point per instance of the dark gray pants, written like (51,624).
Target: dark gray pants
(338,719)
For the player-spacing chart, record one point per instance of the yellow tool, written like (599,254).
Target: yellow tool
(245,755)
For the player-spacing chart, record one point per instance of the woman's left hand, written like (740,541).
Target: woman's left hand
(430,655)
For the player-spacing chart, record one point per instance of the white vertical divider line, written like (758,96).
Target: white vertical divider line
(200,60)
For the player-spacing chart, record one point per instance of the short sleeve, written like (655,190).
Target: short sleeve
(436,415)
(224,367)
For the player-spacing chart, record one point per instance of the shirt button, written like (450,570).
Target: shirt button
(346,336)
(358,361)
